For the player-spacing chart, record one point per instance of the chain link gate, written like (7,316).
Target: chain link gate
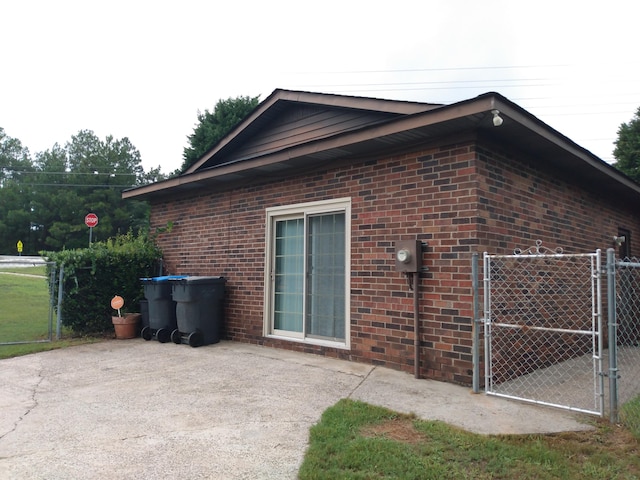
(543,328)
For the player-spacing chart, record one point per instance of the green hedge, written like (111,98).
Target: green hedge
(92,276)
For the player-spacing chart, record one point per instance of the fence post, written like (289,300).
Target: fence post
(613,333)
(476,324)
(60,292)
(486,289)
(52,289)
(597,302)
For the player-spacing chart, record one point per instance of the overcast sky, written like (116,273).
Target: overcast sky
(142,70)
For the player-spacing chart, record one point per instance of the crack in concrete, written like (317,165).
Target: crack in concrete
(133,437)
(364,379)
(30,408)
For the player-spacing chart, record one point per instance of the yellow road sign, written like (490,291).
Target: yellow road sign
(19,245)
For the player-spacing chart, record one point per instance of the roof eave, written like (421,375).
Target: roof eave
(463,116)
(441,114)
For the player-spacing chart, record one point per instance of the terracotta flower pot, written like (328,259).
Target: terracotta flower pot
(127,326)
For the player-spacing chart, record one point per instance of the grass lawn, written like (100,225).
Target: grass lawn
(40,270)
(355,440)
(24,305)
(24,312)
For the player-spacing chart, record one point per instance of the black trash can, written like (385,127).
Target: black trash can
(161,308)
(199,310)
(144,312)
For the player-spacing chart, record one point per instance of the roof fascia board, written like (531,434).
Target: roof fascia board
(358,103)
(510,110)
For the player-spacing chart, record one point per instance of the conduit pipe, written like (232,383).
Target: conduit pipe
(416,322)
(409,262)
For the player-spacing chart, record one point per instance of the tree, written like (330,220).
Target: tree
(213,126)
(100,170)
(43,202)
(627,151)
(15,198)
(14,158)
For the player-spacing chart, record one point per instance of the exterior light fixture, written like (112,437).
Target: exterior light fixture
(497,119)
(619,240)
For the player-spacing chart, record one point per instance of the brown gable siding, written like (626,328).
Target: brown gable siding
(288,118)
(460,198)
(300,124)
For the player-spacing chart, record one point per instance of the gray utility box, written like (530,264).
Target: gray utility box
(199,310)
(161,307)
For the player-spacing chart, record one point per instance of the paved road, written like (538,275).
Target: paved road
(20,261)
(132,409)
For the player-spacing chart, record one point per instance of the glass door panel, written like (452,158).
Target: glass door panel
(326,276)
(289,275)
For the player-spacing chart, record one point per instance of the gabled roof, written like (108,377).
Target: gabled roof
(293,130)
(288,118)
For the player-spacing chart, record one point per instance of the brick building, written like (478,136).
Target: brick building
(303,205)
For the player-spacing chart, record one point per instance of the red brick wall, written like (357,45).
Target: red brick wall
(458,198)
(520,203)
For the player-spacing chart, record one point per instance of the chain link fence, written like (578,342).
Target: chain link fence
(27,300)
(627,344)
(542,328)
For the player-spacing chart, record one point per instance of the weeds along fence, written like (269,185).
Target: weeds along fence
(29,305)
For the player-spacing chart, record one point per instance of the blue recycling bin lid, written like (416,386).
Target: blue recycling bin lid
(163,279)
(199,279)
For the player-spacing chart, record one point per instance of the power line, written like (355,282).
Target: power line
(41,172)
(601,65)
(444,69)
(444,87)
(439,82)
(73,185)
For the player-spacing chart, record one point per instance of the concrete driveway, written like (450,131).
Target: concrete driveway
(143,410)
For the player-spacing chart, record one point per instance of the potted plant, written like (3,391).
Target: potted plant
(125,326)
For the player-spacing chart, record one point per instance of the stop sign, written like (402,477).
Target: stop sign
(91,220)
